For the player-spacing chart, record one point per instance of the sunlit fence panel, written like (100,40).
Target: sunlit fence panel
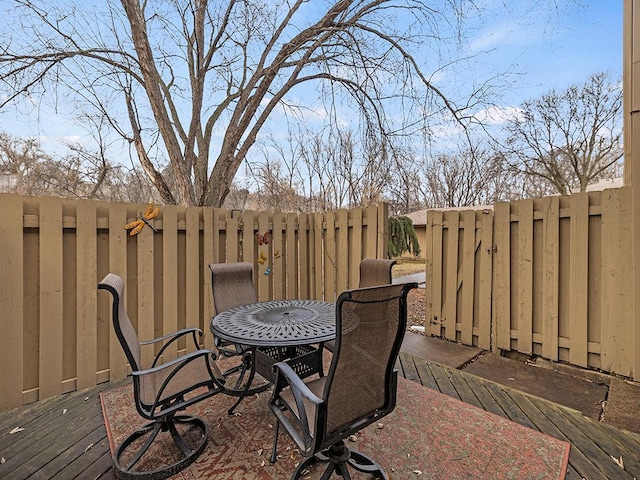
(57,333)
(547,277)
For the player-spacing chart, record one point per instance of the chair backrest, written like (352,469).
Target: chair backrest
(375,271)
(121,322)
(232,285)
(361,382)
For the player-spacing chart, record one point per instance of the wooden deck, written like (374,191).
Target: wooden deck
(64,438)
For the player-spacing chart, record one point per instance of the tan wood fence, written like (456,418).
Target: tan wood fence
(56,328)
(550,277)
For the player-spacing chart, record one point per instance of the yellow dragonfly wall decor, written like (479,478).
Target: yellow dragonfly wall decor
(145,219)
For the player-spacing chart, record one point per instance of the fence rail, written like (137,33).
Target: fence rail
(549,277)
(57,334)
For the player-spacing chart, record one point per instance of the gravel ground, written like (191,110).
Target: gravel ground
(415,307)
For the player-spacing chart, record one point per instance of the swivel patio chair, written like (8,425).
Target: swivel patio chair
(359,389)
(373,272)
(232,286)
(161,391)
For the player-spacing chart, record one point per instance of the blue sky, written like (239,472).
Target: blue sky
(556,51)
(543,48)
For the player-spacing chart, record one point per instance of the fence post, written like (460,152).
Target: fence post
(11,301)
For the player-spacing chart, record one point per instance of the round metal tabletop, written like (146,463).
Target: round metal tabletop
(277,323)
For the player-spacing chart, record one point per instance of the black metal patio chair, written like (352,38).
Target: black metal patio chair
(161,391)
(232,286)
(373,272)
(360,387)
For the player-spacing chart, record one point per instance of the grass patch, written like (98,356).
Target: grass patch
(408,267)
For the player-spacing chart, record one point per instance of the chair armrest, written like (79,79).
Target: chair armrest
(189,357)
(177,334)
(172,338)
(175,366)
(282,369)
(285,376)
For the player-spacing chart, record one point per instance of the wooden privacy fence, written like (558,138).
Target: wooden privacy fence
(550,277)
(56,328)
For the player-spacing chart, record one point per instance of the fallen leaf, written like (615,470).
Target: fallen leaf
(418,472)
(619,461)
(16,430)
(380,425)
(260,452)
(2,460)
(64,411)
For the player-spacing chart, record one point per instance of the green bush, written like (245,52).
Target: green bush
(402,237)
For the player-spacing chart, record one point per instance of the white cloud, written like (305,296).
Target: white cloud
(499,115)
(73,139)
(491,39)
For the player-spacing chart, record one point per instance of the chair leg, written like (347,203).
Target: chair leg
(274,450)
(363,463)
(130,465)
(339,458)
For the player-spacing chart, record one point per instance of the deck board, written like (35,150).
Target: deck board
(485,398)
(464,391)
(443,381)
(55,446)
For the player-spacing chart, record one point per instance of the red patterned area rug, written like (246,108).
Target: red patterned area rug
(428,436)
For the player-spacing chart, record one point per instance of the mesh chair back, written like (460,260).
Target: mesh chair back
(375,271)
(370,326)
(121,322)
(232,285)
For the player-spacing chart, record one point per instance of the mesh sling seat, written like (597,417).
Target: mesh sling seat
(161,391)
(232,286)
(373,272)
(359,389)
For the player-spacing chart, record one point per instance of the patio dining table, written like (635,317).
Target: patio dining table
(278,330)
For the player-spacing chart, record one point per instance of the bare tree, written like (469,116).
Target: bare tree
(19,160)
(337,171)
(81,173)
(467,178)
(186,82)
(569,138)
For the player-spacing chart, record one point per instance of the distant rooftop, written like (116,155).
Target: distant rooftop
(605,183)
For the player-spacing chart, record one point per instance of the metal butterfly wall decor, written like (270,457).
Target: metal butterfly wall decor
(264,238)
(145,219)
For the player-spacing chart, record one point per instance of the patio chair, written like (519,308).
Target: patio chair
(373,272)
(161,391)
(360,387)
(232,286)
